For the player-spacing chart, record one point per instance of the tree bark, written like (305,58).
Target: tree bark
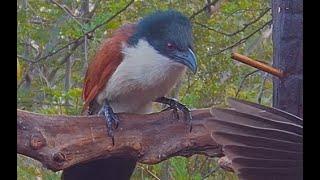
(62,141)
(287,55)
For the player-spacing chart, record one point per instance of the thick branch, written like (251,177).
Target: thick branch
(61,141)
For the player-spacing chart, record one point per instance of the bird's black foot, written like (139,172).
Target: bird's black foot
(175,105)
(112,120)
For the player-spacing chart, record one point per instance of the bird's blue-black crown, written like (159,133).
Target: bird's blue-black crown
(163,27)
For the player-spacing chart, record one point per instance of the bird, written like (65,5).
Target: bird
(138,65)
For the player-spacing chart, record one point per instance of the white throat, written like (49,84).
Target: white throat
(143,75)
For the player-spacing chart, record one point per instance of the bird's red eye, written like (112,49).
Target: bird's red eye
(171,46)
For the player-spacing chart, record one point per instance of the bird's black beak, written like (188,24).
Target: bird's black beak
(187,58)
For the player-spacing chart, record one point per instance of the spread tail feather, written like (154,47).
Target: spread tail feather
(262,142)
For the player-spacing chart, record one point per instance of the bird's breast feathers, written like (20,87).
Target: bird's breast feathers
(142,76)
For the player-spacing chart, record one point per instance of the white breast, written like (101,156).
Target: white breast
(143,76)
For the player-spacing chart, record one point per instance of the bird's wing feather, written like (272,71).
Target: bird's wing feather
(261,142)
(260,110)
(104,63)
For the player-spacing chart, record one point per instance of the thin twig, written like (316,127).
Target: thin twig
(210,28)
(64,60)
(242,40)
(202,9)
(52,52)
(42,76)
(211,172)
(20,83)
(82,36)
(111,18)
(149,172)
(86,48)
(261,91)
(38,50)
(245,26)
(231,14)
(242,81)
(65,9)
(24,58)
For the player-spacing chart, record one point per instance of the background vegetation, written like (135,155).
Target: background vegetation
(56,38)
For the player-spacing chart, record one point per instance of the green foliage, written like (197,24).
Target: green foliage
(41,87)
(180,168)
(29,169)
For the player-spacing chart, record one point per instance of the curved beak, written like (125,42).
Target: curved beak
(187,58)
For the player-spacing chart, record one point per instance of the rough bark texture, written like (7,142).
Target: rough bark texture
(62,141)
(288,41)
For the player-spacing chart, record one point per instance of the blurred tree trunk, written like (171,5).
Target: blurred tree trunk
(85,15)
(67,80)
(287,55)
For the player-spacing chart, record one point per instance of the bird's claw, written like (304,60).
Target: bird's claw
(112,120)
(175,106)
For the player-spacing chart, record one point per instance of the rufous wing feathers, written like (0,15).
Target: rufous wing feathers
(104,63)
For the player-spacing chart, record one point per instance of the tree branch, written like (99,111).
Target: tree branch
(111,18)
(242,81)
(149,172)
(24,58)
(202,9)
(245,26)
(261,91)
(243,39)
(64,60)
(67,11)
(62,141)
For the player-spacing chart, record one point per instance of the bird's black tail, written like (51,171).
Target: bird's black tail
(113,168)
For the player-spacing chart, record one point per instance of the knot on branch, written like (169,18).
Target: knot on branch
(62,141)
(37,141)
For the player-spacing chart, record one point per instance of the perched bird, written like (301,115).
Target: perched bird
(139,64)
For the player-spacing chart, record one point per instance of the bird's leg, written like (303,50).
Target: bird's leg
(112,120)
(175,105)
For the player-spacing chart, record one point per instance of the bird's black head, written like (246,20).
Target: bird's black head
(170,33)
